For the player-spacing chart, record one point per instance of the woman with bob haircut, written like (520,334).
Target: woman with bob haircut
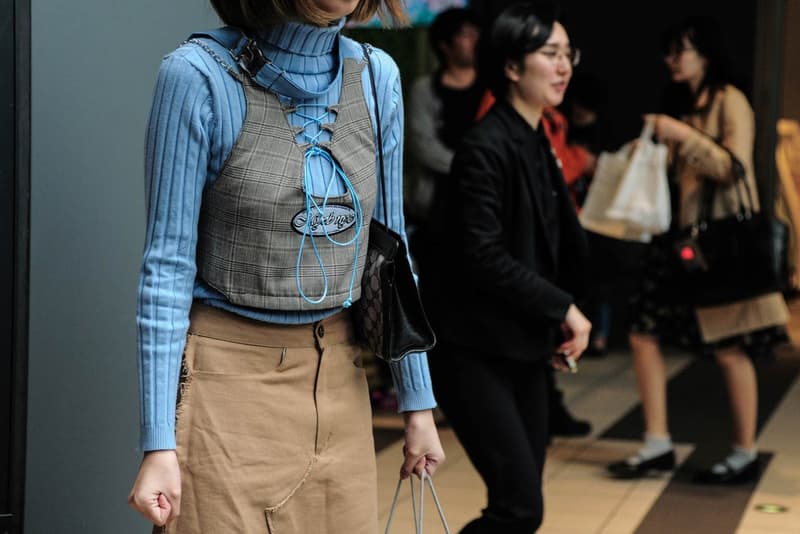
(262,177)
(520,254)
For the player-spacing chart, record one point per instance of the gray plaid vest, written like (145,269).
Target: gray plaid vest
(253,216)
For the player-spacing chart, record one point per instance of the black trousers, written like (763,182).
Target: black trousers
(498,409)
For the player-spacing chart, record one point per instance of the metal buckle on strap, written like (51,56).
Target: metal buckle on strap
(250,58)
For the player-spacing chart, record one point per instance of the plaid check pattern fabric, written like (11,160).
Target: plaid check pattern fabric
(247,246)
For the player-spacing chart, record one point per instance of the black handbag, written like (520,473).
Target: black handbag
(389,318)
(729,259)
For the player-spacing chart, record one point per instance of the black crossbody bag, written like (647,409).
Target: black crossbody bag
(728,259)
(389,318)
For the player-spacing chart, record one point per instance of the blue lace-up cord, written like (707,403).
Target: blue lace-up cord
(336,172)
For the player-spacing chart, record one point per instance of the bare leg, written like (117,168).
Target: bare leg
(651,378)
(656,453)
(740,379)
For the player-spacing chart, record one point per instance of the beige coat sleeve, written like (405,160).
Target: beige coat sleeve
(737,125)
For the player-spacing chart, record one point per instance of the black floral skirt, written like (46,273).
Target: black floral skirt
(658,309)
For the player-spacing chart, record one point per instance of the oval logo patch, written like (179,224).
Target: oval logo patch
(336,219)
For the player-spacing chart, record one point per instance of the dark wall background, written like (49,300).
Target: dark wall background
(94,66)
(7,152)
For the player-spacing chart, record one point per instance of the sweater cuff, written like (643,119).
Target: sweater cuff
(413,383)
(414,401)
(157,438)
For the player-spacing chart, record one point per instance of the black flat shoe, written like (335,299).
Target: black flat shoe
(747,473)
(662,462)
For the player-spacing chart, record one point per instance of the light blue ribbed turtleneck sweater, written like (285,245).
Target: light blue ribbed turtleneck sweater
(198,111)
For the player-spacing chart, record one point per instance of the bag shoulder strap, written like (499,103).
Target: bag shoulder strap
(709,187)
(371,71)
(244,50)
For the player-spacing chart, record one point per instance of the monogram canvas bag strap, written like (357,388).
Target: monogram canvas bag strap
(367,50)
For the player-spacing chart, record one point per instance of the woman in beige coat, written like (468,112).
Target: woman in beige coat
(712,140)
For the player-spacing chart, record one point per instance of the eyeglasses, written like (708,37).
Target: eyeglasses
(554,54)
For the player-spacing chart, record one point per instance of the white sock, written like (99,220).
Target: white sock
(736,460)
(653,446)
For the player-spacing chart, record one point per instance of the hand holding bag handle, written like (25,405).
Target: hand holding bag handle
(604,191)
(418,519)
(642,197)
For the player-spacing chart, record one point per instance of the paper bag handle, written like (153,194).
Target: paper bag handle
(417,518)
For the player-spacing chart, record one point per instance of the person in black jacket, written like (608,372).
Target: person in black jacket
(516,262)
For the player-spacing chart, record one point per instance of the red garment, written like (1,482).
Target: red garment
(573,158)
(486,104)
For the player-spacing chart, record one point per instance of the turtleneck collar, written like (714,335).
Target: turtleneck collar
(304,60)
(302,39)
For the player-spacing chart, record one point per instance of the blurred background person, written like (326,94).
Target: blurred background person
(442,106)
(712,139)
(576,163)
(514,259)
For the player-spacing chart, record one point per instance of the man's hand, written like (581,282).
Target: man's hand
(422,449)
(156,493)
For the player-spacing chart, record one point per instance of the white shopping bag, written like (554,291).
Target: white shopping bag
(642,195)
(612,168)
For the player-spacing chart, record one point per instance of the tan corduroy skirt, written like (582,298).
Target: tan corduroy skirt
(274,429)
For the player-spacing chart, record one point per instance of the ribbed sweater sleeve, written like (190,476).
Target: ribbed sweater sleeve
(411,375)
(176,163)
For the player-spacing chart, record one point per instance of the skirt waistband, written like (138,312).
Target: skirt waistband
(208,321)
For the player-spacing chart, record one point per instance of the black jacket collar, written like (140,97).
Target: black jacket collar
(529,140)
(519,129)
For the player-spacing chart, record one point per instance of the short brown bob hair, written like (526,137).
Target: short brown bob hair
(256,14)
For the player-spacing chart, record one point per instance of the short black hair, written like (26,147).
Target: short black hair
(446,25)
(517,31)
